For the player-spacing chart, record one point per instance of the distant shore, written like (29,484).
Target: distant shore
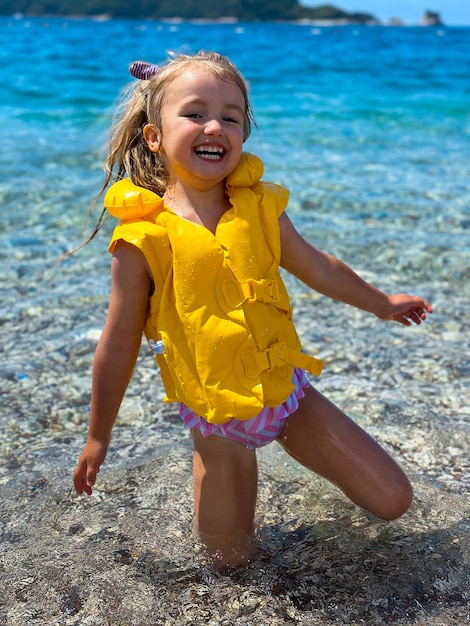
(392,22)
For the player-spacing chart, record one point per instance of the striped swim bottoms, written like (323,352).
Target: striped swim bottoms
(257,431)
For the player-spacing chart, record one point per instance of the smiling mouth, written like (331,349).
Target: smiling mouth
(210,152)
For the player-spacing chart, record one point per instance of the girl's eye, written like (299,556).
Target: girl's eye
(198,116)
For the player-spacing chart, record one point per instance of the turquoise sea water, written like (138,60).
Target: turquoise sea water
(364,125)
(370,130)
(368,127)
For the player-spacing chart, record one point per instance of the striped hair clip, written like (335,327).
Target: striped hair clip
(143,70)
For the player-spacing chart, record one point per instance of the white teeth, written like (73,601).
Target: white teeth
(210,152)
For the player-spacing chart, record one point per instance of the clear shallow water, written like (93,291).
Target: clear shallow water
(370,129)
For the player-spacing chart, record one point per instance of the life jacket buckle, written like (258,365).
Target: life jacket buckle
(264,290)
(256,361)
(277,355)
(157,347)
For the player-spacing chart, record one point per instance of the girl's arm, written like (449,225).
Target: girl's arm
(115,356)
(331,277)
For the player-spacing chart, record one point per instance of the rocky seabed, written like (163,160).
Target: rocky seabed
(127,556)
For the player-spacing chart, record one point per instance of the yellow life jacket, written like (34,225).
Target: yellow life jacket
(220,320)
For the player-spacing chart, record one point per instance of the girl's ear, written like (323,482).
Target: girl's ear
(153,137)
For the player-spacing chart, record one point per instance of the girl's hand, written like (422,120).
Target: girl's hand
(405,309)
(91,459)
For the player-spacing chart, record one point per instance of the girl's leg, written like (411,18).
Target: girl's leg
(225,478)
(325,440)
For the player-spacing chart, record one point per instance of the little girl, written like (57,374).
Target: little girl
(195,266)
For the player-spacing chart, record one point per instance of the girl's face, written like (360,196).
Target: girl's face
(201,137)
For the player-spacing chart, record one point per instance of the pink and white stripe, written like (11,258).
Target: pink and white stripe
(257,431)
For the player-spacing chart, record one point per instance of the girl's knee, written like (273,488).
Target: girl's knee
(395,502)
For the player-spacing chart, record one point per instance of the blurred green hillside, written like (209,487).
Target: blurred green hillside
(245,10)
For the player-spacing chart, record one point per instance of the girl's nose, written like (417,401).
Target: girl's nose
(213,127)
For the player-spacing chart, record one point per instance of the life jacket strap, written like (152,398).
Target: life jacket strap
(262,290)
(278,354)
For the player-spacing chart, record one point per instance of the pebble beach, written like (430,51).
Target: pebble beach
(375,154)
